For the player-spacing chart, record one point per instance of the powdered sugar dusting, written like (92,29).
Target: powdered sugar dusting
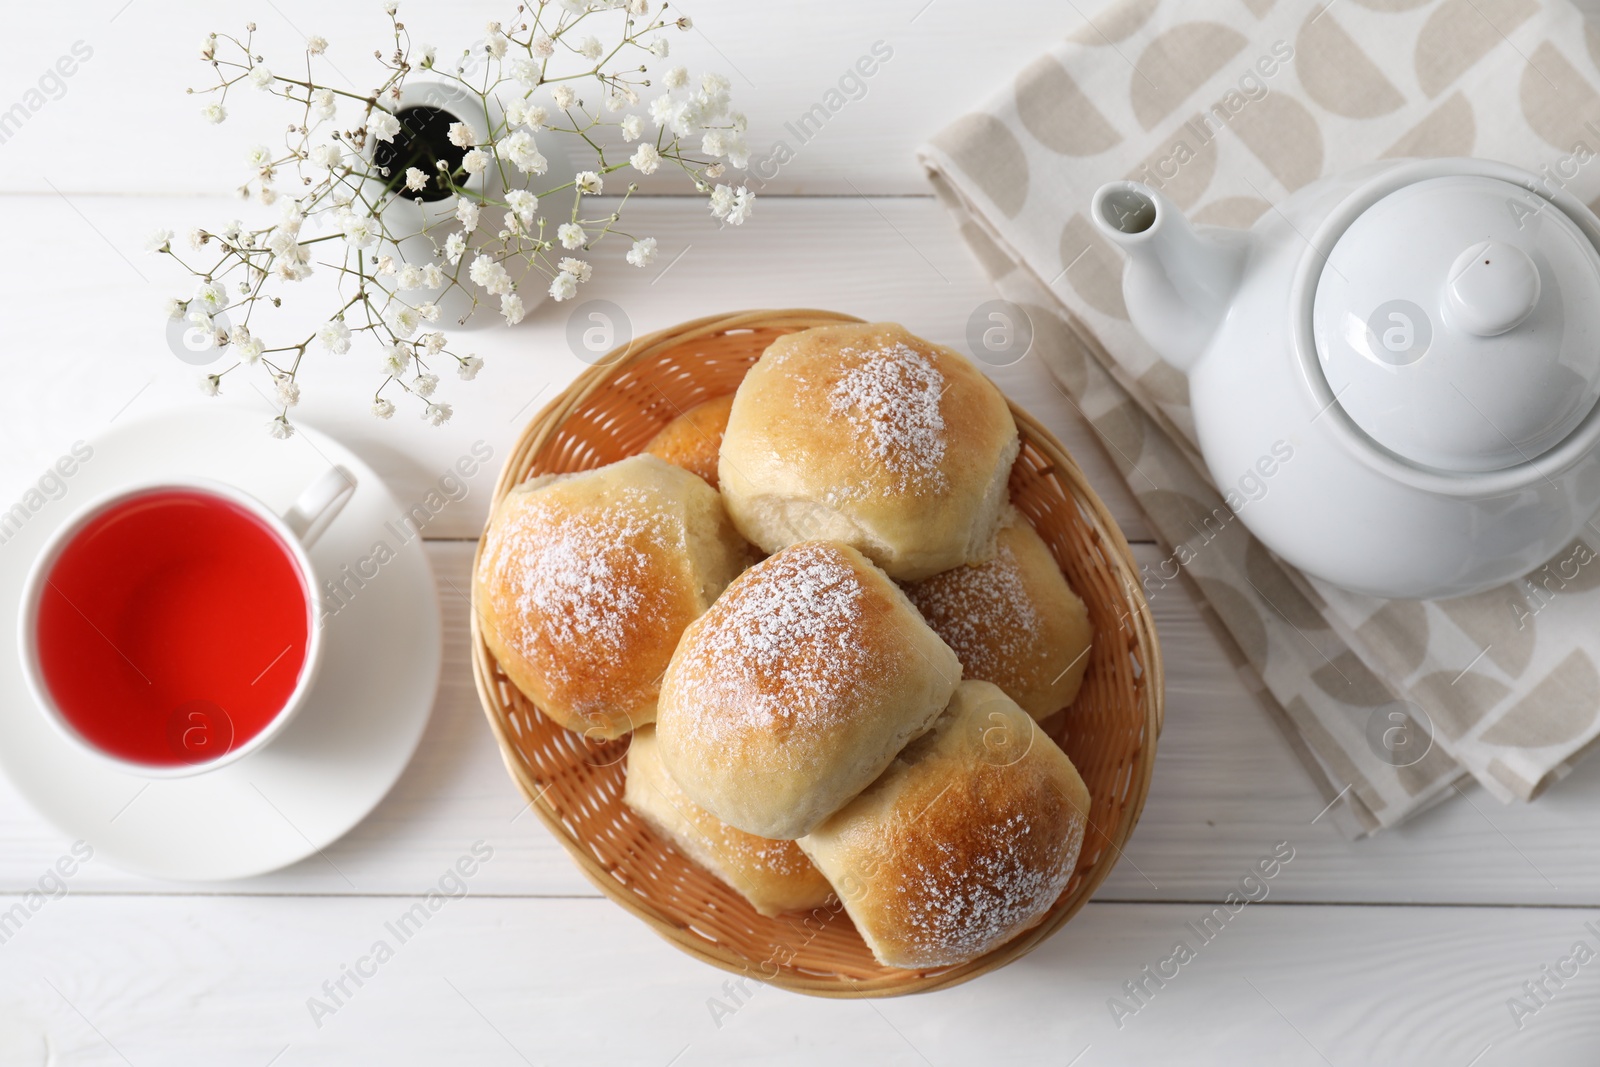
(781,649)
(891,397)
(975,895)
(584,583)
(983,612)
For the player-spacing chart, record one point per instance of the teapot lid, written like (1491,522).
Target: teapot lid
(1457,322)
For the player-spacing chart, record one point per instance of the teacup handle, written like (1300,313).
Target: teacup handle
(322,500)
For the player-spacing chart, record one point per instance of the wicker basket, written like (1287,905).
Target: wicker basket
(575,786)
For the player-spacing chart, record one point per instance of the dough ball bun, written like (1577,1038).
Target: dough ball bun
(586,581)
(870,436)
(1013,620)
(966,841)
(797,688)
(693,439)
(774,876)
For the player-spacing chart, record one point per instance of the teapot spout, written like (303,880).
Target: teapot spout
(1179,282)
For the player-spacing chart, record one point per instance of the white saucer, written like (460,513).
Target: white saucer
(347,745)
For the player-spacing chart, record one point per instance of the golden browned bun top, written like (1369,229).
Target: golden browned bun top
(693,439)
(966,841)
(587,581)
(797,687)
(870,435)
(1013,620)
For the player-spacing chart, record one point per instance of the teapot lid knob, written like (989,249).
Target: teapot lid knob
(1492,287)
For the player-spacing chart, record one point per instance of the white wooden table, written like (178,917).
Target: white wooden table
(1402,949)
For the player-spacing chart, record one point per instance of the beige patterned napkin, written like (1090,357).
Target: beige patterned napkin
(1227,107)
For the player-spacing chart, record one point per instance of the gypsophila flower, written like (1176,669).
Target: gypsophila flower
(645,159)
(211,297)
(733,205)
(668,113)
(511,308)
(643,252)
(403,320)
(383,125)
(160,241)
(327,156)
(360,231)
(563,286)
(396,359)
(743,203)
(334,335)
(280,428)
(523,153)
(526,71)
(210,384)
(355,200)
(491,275)
(523,203)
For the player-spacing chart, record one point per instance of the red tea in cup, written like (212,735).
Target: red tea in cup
(172,627)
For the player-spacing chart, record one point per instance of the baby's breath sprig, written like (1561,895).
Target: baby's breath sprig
(349,187)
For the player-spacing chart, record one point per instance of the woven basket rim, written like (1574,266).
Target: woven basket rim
(538,432)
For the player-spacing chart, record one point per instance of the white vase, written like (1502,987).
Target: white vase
(404,214)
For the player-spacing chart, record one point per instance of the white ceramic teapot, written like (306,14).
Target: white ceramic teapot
(1424,335)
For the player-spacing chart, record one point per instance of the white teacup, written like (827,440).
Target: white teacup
(199,742)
